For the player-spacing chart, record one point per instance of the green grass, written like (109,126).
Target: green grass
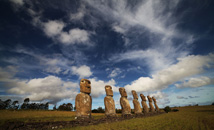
(35,116)
(187,118)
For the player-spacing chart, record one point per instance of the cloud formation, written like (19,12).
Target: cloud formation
(115,72)
(18,2)
(54,29)
(159,95)
(185,67)
(51,88)
(196,82)
(82,71)
(98,87)
(6,73)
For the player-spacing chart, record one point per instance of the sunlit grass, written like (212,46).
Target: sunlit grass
(187,118)
(40,116)
(36,116)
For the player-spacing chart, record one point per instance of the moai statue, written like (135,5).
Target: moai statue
(126,109)
(152,109)
(156,106)
(109,102)
(143,102)
(83,101)
(137,107)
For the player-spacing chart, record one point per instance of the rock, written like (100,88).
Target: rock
(156,106)
(137,107)
(126,109)
(83,101)
(109,102)
(152,109)
(144,105)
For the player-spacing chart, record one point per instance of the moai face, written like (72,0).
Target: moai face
(109,91)
(85,86)
(154,99)
(143,97)
(149,98)
(123,92)
(134,94)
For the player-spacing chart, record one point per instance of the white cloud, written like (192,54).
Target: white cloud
(7,73)
(148,14)
(53,28)
(74,36)
(98,87)
(48,88)
(159,95)
(79,14)
(152,20)
(187,66)
(196,82)
(55,70)
(82,71)
(155,59)
(115,72)
(18,2)
(53,63)
(51,88)
(119,29)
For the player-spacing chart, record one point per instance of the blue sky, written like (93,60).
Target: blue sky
(158,48)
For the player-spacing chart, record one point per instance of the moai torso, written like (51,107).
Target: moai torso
(126,109)
(152,109)
(83,101)
(137,107)
(143,102)
(109,102)
(156,106)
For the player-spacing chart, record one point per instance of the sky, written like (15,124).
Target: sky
(161,48)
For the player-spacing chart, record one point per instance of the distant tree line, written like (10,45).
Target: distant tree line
(98,110)
(64,107)
(9,105)
(101,110)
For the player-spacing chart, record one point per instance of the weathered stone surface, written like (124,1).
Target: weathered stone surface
(152,109)
(137,107)
(83,101)
(109,102)
(144,105)
(126,109)
(156,106)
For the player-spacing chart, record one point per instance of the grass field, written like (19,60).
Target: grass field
(188,118)
(40,116)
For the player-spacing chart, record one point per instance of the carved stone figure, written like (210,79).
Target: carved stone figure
(109,102)
(152,109)
(83,101)
(126,109)
(137,107)
(143,102)
(156,106)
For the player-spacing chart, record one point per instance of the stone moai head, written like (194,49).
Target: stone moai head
(143,97)
(85,86)
(123,92)
(149,98)
(154,99)
(109,91)
(134,94)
